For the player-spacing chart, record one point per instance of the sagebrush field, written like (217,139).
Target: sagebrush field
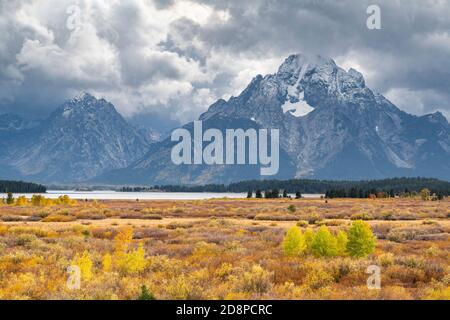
(223,249)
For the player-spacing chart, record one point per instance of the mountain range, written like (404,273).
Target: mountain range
(80,140)
(332,126)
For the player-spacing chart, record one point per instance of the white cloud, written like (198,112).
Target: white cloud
(407,100)
(243,68)
(438,40)
(419,102)
(115,53)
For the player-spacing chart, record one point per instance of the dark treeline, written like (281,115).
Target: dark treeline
(272,194)
(377,193)
(21,187)
(137,189)
(333,187)
(204,188)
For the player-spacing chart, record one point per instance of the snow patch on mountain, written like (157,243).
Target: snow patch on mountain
(420,142)
(299,107)
(66,113)
(295,102)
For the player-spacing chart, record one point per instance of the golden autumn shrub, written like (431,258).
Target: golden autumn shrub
(438,294)
(317,276)
(209,258)
(107,263)
(59,218)
(127,261)
(41,201)
(65,200)
(256,280)
(85,264)
(21,201)
(133,261)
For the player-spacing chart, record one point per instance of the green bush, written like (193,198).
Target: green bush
(309,237)
(324,243)
(341,243)
(292,208)
(361,240)
(294,243)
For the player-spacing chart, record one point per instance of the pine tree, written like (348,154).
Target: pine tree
(249,194)
(272,194)
(361,193)
(10,198)
(146,294)
(392,193)
(258,194)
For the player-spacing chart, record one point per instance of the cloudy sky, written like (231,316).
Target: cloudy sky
(165,61)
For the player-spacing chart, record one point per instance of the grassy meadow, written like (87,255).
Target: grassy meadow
(222,249)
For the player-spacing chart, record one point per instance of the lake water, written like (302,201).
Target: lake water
(117,195)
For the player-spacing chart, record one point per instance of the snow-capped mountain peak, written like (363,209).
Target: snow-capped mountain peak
(333,126)
(82,138)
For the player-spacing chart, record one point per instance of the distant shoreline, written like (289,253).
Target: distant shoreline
(162,195)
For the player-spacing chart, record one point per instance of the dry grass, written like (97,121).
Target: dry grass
(222,249)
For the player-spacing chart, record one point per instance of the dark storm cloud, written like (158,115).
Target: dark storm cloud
(173,58)
(162,4)
(411,52)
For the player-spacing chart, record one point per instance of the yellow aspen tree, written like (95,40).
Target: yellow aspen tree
(84,262)
(107,263)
